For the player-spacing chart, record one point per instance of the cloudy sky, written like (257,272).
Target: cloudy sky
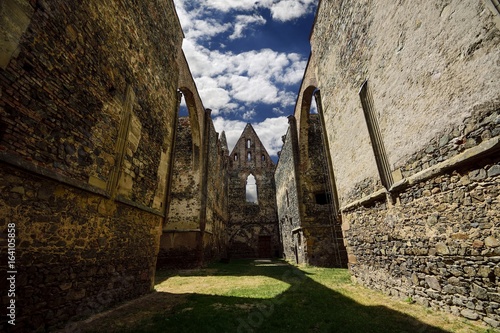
(247,58)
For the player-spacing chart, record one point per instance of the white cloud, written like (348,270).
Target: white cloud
(232,128)
(226,80)
(287,10)
(270,132)
(243,21)
(206,28)
(281,10)
(248,115)
(228,5)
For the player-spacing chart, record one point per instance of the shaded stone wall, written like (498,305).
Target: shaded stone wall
(322,229)
(215,233)
(180,241)
(287,197)
(77,253)
(252,228)
(88,100)
(440,245)
(432,234)
(310,232)
(195,230)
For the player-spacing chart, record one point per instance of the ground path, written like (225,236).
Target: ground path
(268,296)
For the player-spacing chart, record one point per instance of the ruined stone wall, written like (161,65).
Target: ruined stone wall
(445,48)
(433,233)
(180,241)
(252,224)
(322,230)
(77,253)
(287,200)
(309,230)
(195,230)
(185,186)
(88,98)
(215,236)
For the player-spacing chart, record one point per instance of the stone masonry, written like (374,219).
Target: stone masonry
(252,227)
(310,231)
(424,224)
(101,177)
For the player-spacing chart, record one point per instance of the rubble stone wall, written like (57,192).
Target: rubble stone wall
(88,96)
(432,235)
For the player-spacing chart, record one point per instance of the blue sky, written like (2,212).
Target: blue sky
(247,58)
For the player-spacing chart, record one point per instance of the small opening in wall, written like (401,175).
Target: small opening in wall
(263,157)
(251,189)
(235,157)
(249,143)
(249,156)
(3,129)
(323,198)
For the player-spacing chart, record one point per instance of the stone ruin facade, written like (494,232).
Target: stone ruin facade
(252,226)
(310,228)
(410,103)
(398,175)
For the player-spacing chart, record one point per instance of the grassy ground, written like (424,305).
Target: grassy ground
(261,296)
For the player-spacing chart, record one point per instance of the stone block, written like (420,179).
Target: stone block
(433,282)
(491,241)
(469,314)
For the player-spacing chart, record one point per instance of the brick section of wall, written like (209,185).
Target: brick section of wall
(309,230)
(451,261)
(215,237)
(65,94)
(88,101)
(433,71)
(251,223)
(77,253)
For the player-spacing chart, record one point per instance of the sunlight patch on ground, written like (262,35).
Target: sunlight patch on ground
(263,287)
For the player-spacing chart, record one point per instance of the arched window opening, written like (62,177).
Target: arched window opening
(314,107)
(235,157)
(249,156)
(249,143)
(251,189)
(263,157)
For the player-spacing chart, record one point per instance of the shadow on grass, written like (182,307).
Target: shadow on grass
(305,306)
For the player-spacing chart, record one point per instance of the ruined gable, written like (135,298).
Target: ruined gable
(252,226)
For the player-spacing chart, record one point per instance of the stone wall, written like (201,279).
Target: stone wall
(180,241)
(287,197)
(432,233)
(77,253)
(310,230)
(87,103)
(450,47)
(252,227)
(438,245)
(195,230)
(217,216)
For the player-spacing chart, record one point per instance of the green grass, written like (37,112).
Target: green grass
(246,296)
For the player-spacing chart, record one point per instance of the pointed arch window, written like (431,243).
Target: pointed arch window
(235,157)
(249,156)
(249,142)
(251,189)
